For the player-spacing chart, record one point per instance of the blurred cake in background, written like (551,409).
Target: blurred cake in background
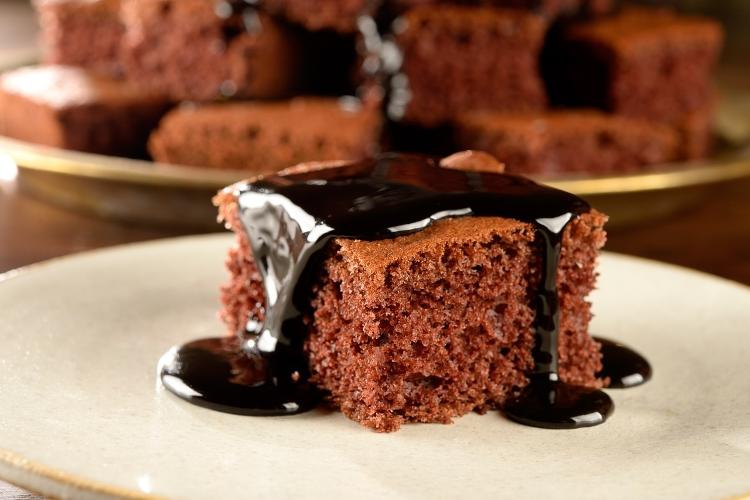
(193,50)
(460,58)
(267,136)
(81,33)
(644,63)
(72,108)
(568,141)
(551,87)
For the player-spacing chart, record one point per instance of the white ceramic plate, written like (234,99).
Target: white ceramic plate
(81,414)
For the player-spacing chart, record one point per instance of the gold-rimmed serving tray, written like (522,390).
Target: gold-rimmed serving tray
(155,193)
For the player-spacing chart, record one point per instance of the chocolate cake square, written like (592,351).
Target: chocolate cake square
(203,50)
(568,141)
(85,33)
(427,326)
(70,108)
(267,136)
(462,58)
(644,63)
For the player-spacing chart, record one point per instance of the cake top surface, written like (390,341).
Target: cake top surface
(376,256)
(302,113)
(562,120)
(63,87)
(509,23)
(74,4)
(634,24)
(481,14)
(70,2)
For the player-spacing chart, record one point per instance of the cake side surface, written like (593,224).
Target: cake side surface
(440,79)
(446,325)
(77,109)
(568,141)
(86,33)
(229,56)
(265,137)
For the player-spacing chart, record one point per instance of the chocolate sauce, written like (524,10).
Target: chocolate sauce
(217,374)
(547,402)
(622,366)
(290,219)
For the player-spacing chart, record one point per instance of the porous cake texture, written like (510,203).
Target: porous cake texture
(435,324)
(265,137)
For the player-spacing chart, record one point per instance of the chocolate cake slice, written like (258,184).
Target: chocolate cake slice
(568,141)
(462,58)
(71,108)
(451,313)
(267,136)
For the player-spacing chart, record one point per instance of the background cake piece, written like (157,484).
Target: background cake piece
(644,63)
(267,136)
(435,324)
(83,33)
(568,141)
(71,108)
(201,50)
(458,58)
(338,15)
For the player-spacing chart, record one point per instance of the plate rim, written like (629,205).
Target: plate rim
(33,157)
(21,471)
(13,462)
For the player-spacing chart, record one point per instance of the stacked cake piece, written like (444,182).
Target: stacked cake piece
(551,86)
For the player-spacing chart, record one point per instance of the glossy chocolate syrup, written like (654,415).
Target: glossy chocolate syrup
(289,220)
(622,366)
